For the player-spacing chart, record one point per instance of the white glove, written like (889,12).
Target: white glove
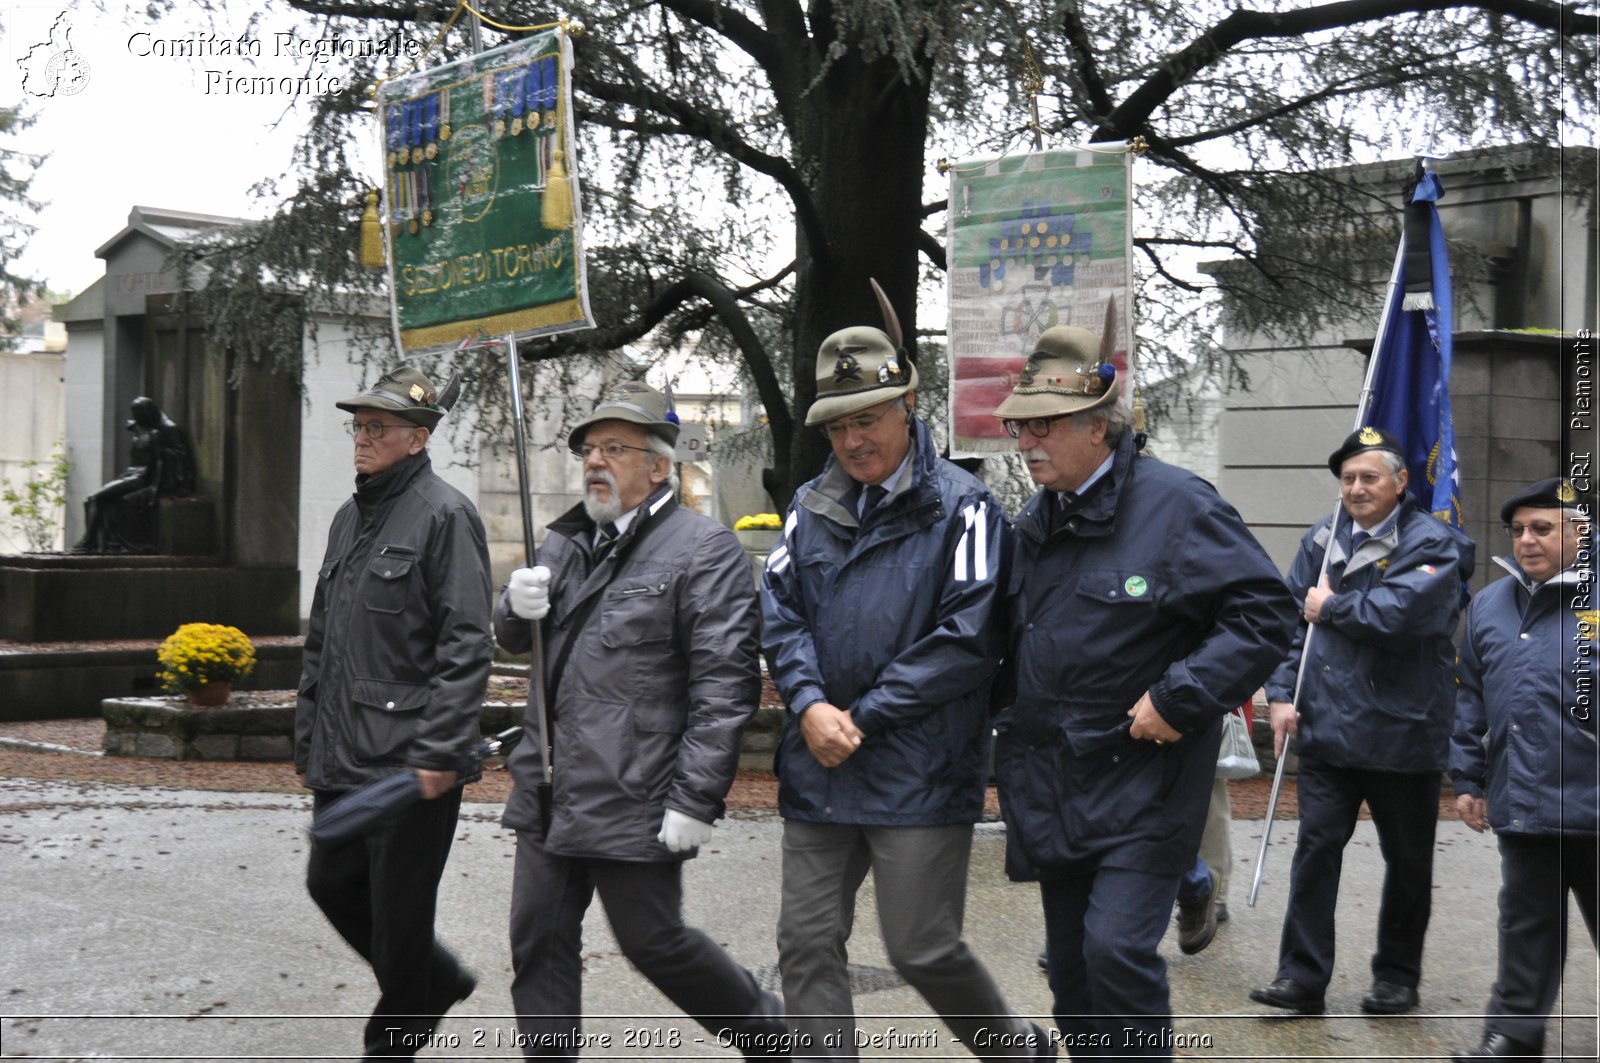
(683,834)
(529,592)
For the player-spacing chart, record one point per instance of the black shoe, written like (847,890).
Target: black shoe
(1386,998)
(1289,995)
(1222,911)
(461,987)
(1499,1046)
(1197,922)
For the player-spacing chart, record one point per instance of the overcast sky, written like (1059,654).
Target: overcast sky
(145,128)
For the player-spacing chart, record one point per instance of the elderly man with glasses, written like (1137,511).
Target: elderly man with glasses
(882,634)
(1522,757)
(396,662)
(648,616)
(1142,611)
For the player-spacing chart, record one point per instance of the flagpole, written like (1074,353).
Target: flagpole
(1363,406)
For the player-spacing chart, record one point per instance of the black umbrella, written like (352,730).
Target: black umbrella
(362,807)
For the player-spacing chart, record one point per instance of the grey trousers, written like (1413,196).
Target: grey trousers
(920,876)
(1216,847)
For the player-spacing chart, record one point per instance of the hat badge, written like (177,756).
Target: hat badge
(417,393)
(846,368)
(889,371)
(1565,494)
(1030,369)
(1369,437)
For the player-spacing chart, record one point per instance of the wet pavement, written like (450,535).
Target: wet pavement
(143,923)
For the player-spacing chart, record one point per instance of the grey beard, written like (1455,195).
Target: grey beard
(601,512)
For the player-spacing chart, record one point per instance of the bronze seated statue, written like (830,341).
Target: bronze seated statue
(120,517)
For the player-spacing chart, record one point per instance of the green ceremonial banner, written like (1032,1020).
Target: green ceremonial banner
(481,207)
(1034,240)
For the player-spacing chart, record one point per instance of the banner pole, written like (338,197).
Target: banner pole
(536,701)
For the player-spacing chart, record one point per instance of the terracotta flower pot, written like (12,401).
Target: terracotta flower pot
(210,695)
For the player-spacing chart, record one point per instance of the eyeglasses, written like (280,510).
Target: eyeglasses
(374,429)
(1039,426)
(609,451)
(1539,528)
(837,429)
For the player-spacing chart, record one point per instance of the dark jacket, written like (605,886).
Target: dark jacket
(896,621)
(398,651)
(1379,690)
(1152,583)
(1525,727)
(652,702)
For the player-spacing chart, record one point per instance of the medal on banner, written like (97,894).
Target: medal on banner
(444,114)
(414,133)
(427,197)
(515,89)
(392,120)
(499,91)
(552,88)
(411,202)
(533,90)
(396,207)
(430,121)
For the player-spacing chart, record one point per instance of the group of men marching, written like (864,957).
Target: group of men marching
(1102,636)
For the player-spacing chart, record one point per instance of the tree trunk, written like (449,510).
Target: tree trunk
(861,139)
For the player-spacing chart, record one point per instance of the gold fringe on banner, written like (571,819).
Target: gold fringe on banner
(371,234)
(555,209)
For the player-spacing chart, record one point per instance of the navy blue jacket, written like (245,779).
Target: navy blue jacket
(1525,725)
(895,620)
(1379,690)
(1153,584)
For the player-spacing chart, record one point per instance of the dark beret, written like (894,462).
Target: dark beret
(1554,493)
(1363,439)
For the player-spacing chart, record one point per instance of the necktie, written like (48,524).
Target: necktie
(871,495)
(1356,539)
(604,541)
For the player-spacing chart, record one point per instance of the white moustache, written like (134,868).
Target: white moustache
(1035,454)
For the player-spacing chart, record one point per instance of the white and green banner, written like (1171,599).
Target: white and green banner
(1035,240)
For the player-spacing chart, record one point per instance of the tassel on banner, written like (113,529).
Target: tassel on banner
(555,210)
(371,234)
(1418,259)
(1417,241)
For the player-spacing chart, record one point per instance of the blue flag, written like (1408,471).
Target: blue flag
(1411,385)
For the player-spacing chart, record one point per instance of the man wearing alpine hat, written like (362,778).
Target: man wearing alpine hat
(882,634)
(648,616)
(1377,697)
(396,662)
(1142,611)
(1523,753)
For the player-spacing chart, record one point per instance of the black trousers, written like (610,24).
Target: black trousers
(1405,810)
(379,890)
(1108,982)
(644,902)
(1536,873)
